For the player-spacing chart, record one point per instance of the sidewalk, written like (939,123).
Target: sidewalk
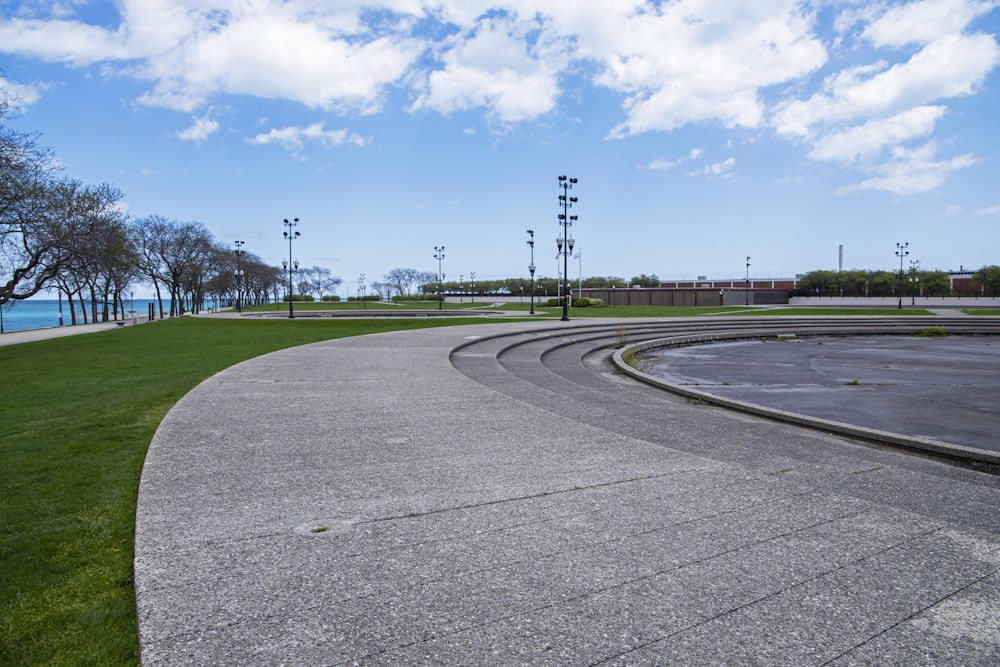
(31,335)
(361,501)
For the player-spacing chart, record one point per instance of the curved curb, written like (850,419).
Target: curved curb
(899,440)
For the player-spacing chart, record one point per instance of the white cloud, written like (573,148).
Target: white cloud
(199,130)
(910,171)
(694,61)
(271,54)
(18,95)
(953,210)
(950,67)
(924,21)
(293,139)
(71,42)
(869,139)
(868,116)
(661,164)
(989,210)
(721,168)
(494,67)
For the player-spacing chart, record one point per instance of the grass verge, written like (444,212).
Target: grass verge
(79,414)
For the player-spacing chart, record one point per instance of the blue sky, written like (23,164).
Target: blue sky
(701,131)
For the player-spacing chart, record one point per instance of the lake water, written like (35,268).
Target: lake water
(43,313)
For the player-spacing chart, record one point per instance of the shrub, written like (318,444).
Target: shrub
(333,297)
(300,297)
(578,302)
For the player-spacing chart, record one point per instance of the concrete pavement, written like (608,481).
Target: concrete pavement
(389,499)
(31,335)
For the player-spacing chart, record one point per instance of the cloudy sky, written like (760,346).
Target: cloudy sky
(701,131)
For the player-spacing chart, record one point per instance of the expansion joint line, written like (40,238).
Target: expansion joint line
(763,598)
(912,616)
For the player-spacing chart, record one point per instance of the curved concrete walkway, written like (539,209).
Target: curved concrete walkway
(380,500)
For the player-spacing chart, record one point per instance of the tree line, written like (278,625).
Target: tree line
(59,233)
(406,282)
(912,282)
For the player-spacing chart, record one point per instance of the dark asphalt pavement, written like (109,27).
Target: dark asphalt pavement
(945,388)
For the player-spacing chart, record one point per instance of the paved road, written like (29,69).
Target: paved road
(387,500)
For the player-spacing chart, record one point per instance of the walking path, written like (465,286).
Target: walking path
(31,335)
(399,499)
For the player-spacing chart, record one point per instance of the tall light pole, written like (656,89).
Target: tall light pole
(531,268)
(439,255)
(472,286)
(748,281)
(566,241)
(901,252)
(239,276)
(291,234)
(361,290)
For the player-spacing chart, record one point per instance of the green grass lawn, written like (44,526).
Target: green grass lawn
(79,413)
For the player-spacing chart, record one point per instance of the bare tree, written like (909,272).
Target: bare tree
(401,281)
(33,201)
(175,256)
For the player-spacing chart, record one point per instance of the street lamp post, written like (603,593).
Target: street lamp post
(472,286)
(566,241)
(239,276)
(291,234)
(439,255)
(914,280)
(361,290)
(748,281)
(901,252)
(531,268)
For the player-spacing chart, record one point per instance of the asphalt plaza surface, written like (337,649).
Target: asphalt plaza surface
(943,388)
(399,499)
